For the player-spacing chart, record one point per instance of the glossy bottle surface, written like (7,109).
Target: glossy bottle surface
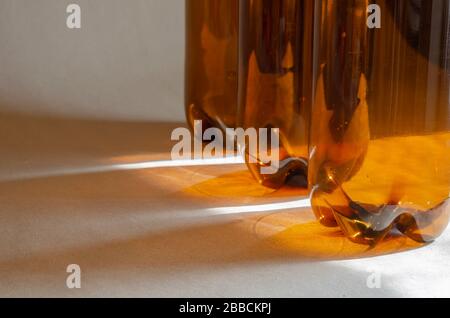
(380,138)
(211,62)
(275,86)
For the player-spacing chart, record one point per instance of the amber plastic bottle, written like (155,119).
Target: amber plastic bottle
(211,62)
(275,86)
(380,138)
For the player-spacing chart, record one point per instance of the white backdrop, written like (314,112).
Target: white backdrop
(126,61)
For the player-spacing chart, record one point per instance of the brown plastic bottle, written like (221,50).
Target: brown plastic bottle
(211,62)
(275,86)
(380,138)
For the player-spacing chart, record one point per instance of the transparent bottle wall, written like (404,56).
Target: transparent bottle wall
(211,62)
(380,137)
(275,86)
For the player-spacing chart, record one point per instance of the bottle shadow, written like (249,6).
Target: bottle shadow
(127,227)
(155,221)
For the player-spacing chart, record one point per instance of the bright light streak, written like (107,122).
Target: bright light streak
(178,163)
(303,203)
(125,166)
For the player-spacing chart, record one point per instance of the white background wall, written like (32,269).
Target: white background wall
(125,63)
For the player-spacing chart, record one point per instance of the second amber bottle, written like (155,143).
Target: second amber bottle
(275,80)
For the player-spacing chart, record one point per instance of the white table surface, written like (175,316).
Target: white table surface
(99,194)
